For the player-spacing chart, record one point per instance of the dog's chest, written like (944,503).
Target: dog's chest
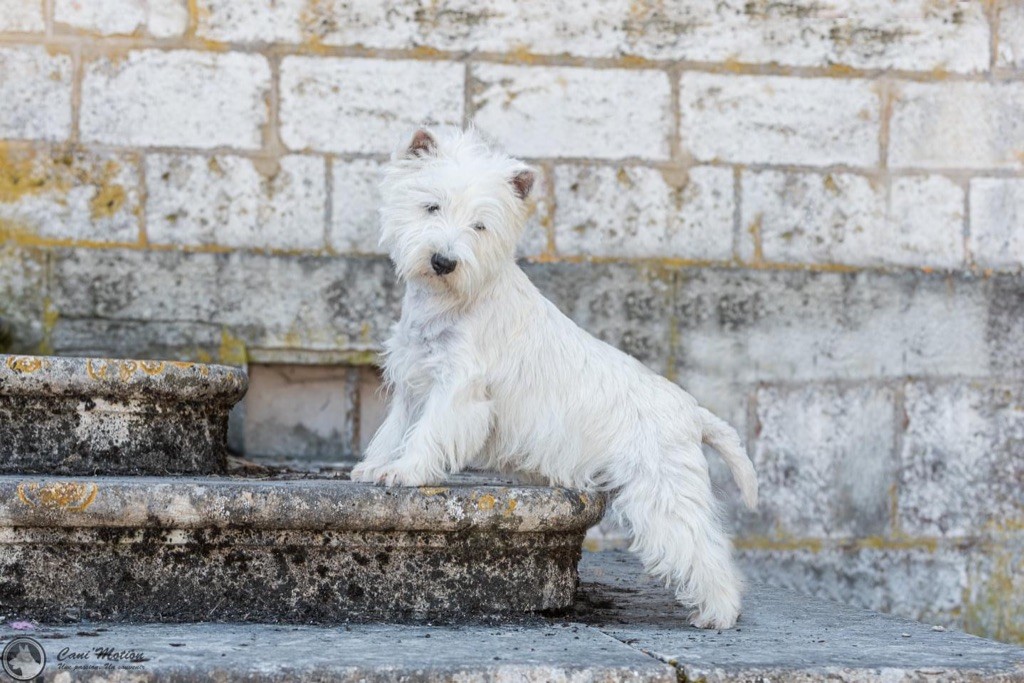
(422,351)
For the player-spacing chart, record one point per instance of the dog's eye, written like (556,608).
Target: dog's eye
(432,208)
(479,226)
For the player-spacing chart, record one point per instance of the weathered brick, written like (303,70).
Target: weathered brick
(997,222)
(754,326)
(176,98)
(1011,34)
(876,34)
(957,125)
(159,18)
(364,105)
(949,35)
(264,21)
(825,462)
(35,94)
(355,199)
(918,583)
(574,112)
(22,298)
(144,340)
(633,211)
(779,120)
(21,16)
(1005,328)
(233,202)
(995,603)
(855,220)
(342,304)
(624,305)
(81,195)
(960,464)
(300,412)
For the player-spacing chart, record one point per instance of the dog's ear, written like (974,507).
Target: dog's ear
(423,144)
(522,183)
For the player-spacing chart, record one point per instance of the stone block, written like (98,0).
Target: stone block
(753,326)
(996,239)
(850,219)
(158,18)
(234,202)
(365,105)
(825,462)
(19,16)
(634,211)
(253,299)
(960,463)
(573,112)
(299,412)
(156,98)
(286,549)
(779,120)
(61,195)
(957,124)
(917,583)
(35,92)
(107,416)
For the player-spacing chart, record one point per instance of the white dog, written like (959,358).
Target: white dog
(484,370)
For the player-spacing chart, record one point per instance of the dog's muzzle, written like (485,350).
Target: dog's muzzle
(442,265)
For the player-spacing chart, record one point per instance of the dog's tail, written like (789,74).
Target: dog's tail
(723,438)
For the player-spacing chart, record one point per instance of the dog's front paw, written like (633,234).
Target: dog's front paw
(364,472)
(403,473)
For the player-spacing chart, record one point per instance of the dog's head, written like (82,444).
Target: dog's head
(453,208)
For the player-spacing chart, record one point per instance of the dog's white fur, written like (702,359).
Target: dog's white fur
(484,370)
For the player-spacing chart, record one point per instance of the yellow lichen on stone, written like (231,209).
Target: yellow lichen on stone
(25,364)
(485,502)
(108,201)
(70,496)
(433,490)
(95,372)
(232,349)
(20,175)
(994,605)
(126,369)
(152,368)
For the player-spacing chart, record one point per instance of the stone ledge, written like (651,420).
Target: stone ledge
(121,379)
(304,503)
(625,627)
(114,416)
(285,550)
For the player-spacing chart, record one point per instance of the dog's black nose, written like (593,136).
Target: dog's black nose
(442,265)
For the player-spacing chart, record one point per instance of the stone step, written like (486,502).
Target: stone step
(625,627)
(114,416)
(287,548)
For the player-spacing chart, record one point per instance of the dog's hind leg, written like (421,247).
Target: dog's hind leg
(668,505)
(451,431)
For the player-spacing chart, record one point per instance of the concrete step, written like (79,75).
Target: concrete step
(114,416)
(624,627)
(288,548)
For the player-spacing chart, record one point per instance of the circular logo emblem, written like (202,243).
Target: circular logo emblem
(23,658)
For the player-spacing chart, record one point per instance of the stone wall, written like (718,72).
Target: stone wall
(811,214)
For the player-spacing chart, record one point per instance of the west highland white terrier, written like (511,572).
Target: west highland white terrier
(483,370)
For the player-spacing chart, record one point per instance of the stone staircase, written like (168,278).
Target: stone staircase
(130,550)
(117,538)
